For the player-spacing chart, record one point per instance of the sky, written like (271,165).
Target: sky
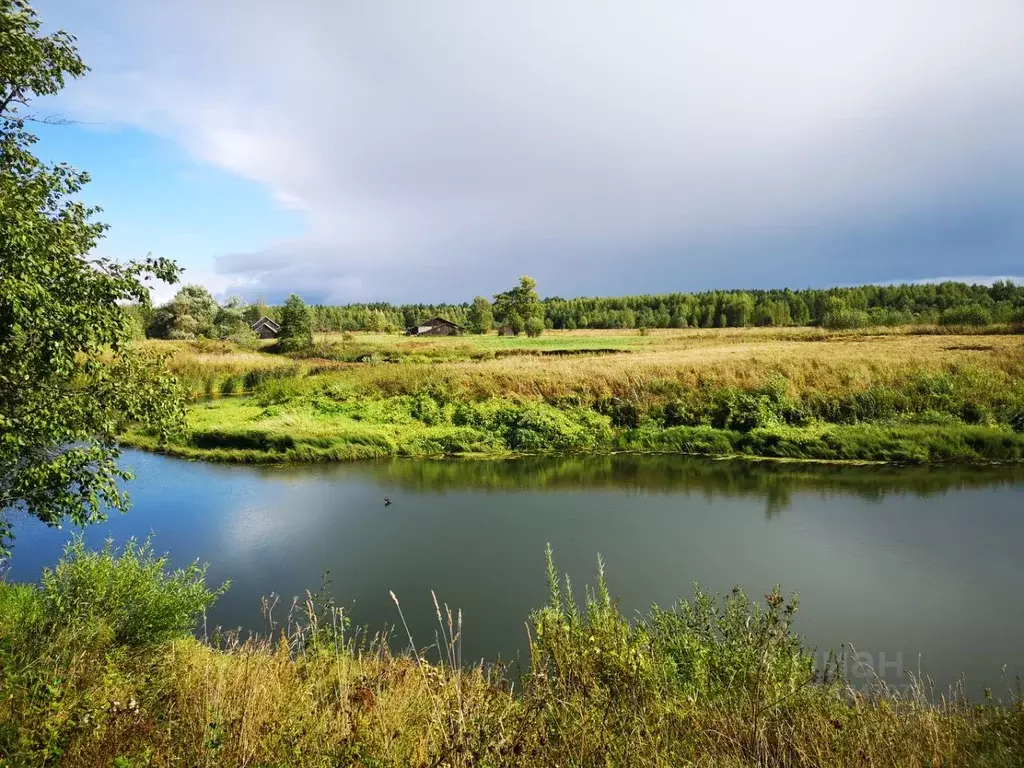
(406,151)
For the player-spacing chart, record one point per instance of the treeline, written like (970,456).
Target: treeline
(948,303)
(194,312)
(868,305)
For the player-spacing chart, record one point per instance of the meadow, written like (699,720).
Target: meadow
(100,667)
(911,395)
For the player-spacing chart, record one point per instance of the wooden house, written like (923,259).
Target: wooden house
(506,330)
(436,326)
(266,328)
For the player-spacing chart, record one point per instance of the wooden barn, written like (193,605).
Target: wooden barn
(436,326)
(506,330)
(266,328)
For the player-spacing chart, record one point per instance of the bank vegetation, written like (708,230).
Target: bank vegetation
(99,667)
(895,395)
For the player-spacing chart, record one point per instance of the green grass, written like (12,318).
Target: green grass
(895,444)
(239,430)
(965,416)
(790,393)
(98,668)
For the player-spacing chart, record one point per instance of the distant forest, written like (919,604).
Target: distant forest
(947,303)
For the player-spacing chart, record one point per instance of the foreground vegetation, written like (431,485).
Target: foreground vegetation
(789,393)
(70,379)
(98,667)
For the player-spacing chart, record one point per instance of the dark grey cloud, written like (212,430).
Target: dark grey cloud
(437,150)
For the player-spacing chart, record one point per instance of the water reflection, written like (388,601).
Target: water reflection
(898,562)
(775,483)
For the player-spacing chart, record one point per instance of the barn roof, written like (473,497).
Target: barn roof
(267,322)
(439,321)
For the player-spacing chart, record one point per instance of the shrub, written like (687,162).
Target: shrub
(131,595)
(426,409)
(623,413)
(1016,421)
(534,327)
(596,673)
(593,654)
(968,314)
(845,319)
(1017,319)
(976,413)
(677,414)
(744,411)
(738,648)
(245,339)
(874,403)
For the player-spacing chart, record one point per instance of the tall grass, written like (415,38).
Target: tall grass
(807,394)
(705,682)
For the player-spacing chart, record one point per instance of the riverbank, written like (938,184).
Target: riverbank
(790,393)
(99,668)
(881,444)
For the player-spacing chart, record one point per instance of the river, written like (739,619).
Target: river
(915,568)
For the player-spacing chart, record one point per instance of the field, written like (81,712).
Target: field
(901,395)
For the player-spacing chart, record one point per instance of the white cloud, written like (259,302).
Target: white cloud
(220,285)
(670,144)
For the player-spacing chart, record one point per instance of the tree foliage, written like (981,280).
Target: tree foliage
(189,315)
(296,325)
(69,377)
(481,318)
(516,307)
(882,305)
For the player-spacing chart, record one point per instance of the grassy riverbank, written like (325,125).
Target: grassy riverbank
(97,667)
(791,393)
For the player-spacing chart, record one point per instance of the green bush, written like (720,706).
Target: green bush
(732,649)
(539,427)
(1017,319)
(642,679)
(745,410)
(426,409)
(968,314)
(622,412)
(246,339)
(845,319)
(677,414)
(534,327)
(128,597)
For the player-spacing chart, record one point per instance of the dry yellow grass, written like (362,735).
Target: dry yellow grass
(729,357)
(564,363)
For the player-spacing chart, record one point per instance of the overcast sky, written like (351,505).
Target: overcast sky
(432,150)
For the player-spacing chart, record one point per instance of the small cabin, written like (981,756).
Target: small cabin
(506,330)
(266,328)
(436,326)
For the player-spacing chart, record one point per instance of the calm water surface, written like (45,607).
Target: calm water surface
(916,568)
